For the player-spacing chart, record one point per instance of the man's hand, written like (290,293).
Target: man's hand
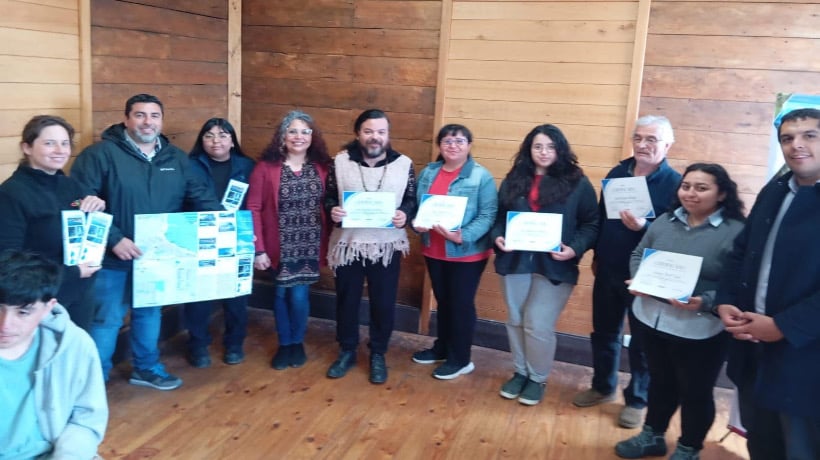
(631,222)
(126,250)
(91,203)
(337,214)
(730,315)
(757,328)
(565,253)
(399,219)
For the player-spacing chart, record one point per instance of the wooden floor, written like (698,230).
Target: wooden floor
(251,411)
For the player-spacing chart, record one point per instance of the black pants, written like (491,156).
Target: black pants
(454,286)
(382,284)
(683,372)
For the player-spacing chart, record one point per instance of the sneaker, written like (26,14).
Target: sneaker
(532,393)
(514,386)
(450,371)
(592,397)
(298,357)
(630,417)
(428,356)
(281,360)
(685,453)
(646,444)
(233,357)
(155,378)
(199,358)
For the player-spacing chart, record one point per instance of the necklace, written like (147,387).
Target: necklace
(381,180)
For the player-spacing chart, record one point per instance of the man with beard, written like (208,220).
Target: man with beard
(368,164)
(136,170)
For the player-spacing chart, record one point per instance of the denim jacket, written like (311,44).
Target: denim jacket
(477,184)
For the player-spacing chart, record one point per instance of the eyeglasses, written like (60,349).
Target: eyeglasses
(220,136)
(543,148)
(456,141)
(652,140)
(296,132)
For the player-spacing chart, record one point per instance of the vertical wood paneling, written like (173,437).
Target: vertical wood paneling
(177,51)
(509,66)
(334,59)
(40,69)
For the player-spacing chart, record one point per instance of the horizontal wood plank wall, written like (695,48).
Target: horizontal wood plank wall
(39,69)
(715,67)
(512,65)
(334,59)
(177,51)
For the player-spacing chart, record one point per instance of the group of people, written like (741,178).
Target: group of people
(754,301)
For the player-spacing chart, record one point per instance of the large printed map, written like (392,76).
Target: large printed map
(192,256)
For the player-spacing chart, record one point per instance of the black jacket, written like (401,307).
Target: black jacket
(241,168)
(579,230)
(115,171)
(30,205)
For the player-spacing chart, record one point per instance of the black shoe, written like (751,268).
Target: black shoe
(428,356)
(281,360)
(378,368)
(233,357)
(346,361)
(298,358)
(199,358)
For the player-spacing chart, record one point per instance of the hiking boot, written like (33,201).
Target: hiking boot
(685,453)
(630,417)
(646,444)
(532,393)
(155,378)
(513,387)
(592,397)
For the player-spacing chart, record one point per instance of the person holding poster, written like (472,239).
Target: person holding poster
(286,199)
(769,300)
(218,160)
(31,202)
(545,178)
(651,140)
(685,341)
(455,257)
(368,164)
(136,170)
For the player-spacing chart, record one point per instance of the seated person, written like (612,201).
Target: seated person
(52,395)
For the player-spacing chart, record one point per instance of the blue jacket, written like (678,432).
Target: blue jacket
(786,374)
(241,167)
(615,240)
(477,184)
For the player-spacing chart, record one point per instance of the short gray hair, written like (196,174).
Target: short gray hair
(660,121)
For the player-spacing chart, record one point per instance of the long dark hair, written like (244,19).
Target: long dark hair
(224,125)
(317,152)
(732,204)
(561,177)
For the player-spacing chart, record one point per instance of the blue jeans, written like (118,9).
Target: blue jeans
(198,315)
(291,309)
(112,303)
(610,302)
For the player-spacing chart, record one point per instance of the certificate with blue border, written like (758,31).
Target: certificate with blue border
(533,231)
(368,209)
(627,193)
(667,275)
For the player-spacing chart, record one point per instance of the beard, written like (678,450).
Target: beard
(144,138)
(374,149)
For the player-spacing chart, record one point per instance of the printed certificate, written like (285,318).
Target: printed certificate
(627,193)
(446,210)
(234,195)
(533,231)
(368,209)
(667,275)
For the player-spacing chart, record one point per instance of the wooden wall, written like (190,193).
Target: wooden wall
(715,67)
(176,50)
(335,59)
(40,69)
(510,66)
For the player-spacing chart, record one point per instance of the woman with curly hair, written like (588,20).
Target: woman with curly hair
(285,197)
(546,178)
